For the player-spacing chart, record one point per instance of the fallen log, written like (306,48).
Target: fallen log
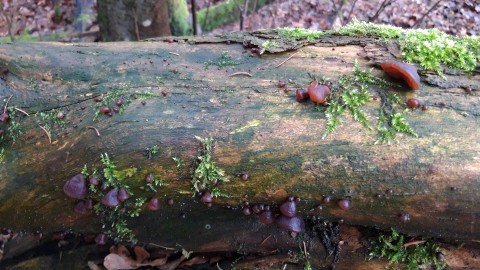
(177,89)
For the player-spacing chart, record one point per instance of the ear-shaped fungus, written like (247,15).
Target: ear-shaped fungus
(80,208)
(76,187)
(292,224)
(288,208)
(123,194)
(111,198)
(266,216)
(301,94)
(403,71)
(153,204)
(4,117)
(318,93)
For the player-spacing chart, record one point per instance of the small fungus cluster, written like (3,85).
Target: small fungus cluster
(287,218)
(110,198)
(316,92)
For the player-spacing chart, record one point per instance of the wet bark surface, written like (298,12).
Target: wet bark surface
(259,129)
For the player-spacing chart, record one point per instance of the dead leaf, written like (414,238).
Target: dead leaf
(93,266)
(116,262)
(214,259)
(140,254)
(194,261)
(158,262)
(172,265)
(120,250)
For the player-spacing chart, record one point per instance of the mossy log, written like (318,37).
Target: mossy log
(259,129)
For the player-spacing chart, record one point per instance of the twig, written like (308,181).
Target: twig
(337,11)
(46,132)
(94,128)
(290,57)
(240,73)
(351,10)
(414,243)
(380,9)
(417,23)
(265,240)
(244,14)
(155,245)
(206,16)
(304,249)
(6,104)
(22,111)
(135,21)
(194,18)
(174,53)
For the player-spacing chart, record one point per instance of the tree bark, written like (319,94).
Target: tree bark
(121,20)
(259,129)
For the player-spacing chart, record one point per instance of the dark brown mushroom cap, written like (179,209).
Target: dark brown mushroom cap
(123,194)
(403,71)
(301,94)
(76,187)
(266,217)
(318,93)
(288,208)
(206,197)
(153,204)
(413,103)
(344,204)
(292,224)
(101,239)
(80,208)
(111,198)
(4,117)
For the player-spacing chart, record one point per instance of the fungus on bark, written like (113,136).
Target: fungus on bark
(403,71)
(76,187)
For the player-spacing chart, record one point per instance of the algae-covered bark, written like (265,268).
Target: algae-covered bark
(259,129)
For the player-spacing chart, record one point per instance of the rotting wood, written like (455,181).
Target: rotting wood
(259,130)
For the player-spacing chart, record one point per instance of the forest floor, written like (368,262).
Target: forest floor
(41,18)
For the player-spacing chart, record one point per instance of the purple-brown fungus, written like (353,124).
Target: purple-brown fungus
(76,187)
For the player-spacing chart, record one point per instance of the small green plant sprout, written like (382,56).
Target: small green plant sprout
(267,45)
(49,120)
(180,163)
(119,98)
(154,183)
(351,93)
(415,254)
(206,175)
(224,60)
(151,151)
(300,33)
(390,122)
(115,219)
(10,129)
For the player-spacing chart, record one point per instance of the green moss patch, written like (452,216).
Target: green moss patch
(415,256)
(429,48)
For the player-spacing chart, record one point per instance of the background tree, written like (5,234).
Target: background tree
(134,20)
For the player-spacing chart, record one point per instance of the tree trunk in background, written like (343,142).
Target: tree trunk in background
(260,130)
(118,19)
(179,24)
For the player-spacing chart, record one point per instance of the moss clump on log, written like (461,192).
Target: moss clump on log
(430,48)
